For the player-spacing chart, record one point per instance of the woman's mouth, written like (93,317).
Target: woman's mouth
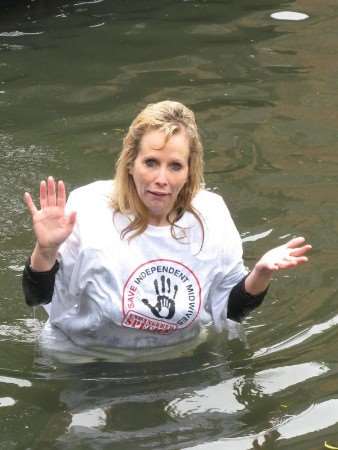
(158,194)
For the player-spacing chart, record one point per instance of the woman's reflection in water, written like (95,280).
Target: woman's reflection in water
(166,404)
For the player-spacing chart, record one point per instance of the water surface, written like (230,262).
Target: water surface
(73,75)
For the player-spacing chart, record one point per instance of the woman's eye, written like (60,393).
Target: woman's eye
(176,166)
(150,162)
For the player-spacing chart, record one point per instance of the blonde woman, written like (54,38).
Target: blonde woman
(150,259)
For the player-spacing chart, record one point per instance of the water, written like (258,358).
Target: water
(73,75)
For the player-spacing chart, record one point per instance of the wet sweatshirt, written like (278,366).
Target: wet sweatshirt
(150,291)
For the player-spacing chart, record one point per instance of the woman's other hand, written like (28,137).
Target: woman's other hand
(286,256)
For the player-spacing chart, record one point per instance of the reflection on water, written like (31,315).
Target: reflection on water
(73,74)
(299,338)
(222,398)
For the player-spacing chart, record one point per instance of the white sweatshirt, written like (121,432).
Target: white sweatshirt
(151,291)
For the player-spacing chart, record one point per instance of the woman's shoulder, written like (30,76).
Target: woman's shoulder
(217,222)
(207,201)
(94,194)
(213,210)
(100,187)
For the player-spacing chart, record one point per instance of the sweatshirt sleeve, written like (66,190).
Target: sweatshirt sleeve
(38,287)
(241,303)
(228,297)
(221,231)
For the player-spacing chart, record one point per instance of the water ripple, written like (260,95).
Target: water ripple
(317,417)
(225,396)
(92,2)
(19,33)
(256,237)
(18,381)
(298,338)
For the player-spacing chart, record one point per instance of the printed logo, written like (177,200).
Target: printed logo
(161,296)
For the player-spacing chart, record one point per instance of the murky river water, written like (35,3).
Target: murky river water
(72,76)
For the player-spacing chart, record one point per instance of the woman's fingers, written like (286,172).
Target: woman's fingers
(293,261)
(295,242)
(300,251)
(286,256)
(51,193)
(71,219)
(289,261)
(61,194)
(296,250)
(43,194)
(29,203)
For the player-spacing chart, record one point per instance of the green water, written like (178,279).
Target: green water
(72,76)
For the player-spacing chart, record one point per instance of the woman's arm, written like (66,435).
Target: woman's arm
(51,227)
(249,293)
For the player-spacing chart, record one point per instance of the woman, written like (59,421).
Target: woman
(149,259)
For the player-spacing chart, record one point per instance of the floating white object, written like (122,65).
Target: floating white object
(289,15)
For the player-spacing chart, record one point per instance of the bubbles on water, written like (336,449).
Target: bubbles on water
(289,15)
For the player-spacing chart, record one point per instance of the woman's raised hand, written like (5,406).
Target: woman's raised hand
(285,256)
(50,223)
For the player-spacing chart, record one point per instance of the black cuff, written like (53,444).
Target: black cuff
(241,303)
(38,287)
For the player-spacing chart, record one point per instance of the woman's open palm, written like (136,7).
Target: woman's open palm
(285,256)
(50,223)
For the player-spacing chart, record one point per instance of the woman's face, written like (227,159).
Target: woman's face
(160,171)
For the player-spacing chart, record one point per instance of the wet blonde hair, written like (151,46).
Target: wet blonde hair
(170,118)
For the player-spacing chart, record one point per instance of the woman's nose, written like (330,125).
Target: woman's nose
(161,176)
